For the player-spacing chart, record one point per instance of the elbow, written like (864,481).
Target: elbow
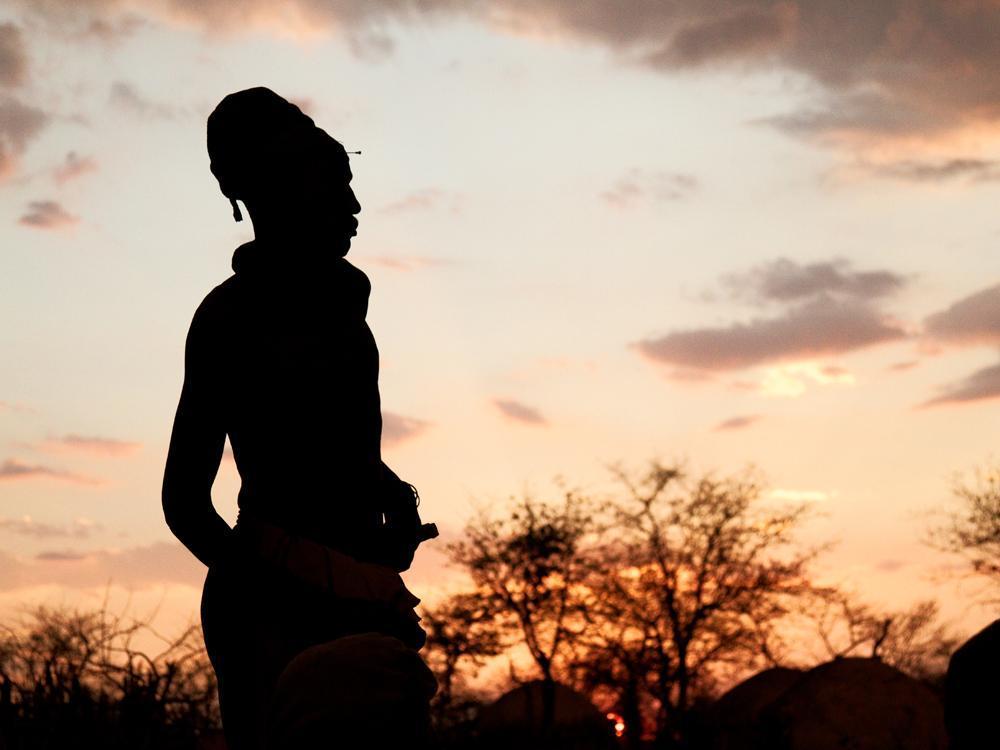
(173,507)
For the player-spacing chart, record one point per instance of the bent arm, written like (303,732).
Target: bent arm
(196,446)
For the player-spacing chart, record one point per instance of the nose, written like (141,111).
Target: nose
(353,205)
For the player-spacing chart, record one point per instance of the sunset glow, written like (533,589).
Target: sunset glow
(593,235)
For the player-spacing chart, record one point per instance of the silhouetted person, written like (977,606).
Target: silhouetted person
(279,358)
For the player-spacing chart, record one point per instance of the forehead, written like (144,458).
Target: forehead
(315,148)
(328,154)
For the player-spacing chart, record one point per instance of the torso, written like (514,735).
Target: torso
(300,400)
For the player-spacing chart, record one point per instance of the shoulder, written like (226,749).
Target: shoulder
(212,315)
(217,303)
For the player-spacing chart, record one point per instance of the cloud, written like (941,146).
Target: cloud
(97,445)
(737,423)
(19,124)
(425,199)
(979,386)
(972,320)
(875,69)
(910,170)
(81,528)
(74,166)
(821,326)
(824,308)
(110,31)
(519,412)
(397,428)
(47,214)
(134,567)
(854,119)
(13,56)
(65,556)
(738,33)
(791,380)
(902,366)
(409,263)
(371,45)
(127,97)
(638,185)
(13,469)
(784,280)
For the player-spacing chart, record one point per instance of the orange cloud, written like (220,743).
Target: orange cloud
(409,263)
(519,412)
(47,214)
(638,185)
(74,166)
(397,428)
(822,326)
(426,199)
(737,423)
(972,320)
(96,445)
(981,385)
(829,309)
(14,469)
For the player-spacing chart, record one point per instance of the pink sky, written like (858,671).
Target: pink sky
(731,232)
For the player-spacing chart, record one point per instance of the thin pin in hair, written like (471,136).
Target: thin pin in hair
(354,152)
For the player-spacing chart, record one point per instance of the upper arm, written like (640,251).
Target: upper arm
(199,432)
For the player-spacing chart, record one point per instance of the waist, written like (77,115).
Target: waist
(354,533)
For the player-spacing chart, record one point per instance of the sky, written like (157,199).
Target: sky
(726,232)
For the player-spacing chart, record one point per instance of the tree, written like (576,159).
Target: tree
(912,640)
(696,577)
(529,570)
(76,678)
(460,638)
(972,530)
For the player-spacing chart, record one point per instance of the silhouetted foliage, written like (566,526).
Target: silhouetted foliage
(530,570)
(912,640)
(460,638)
(696,577)
(71,678)
(972,530)
(648,600)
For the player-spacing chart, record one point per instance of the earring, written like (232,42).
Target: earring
(236,210)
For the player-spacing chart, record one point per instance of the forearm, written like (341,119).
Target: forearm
(194,521)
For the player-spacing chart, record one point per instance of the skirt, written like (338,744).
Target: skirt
(257,619)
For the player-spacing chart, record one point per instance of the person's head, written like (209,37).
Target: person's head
(290,174)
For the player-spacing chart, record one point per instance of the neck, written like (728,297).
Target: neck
(288,231)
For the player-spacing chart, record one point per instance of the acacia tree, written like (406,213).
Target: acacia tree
(460,638)
(702,574)
(912,640)
(972,529)
(530,570)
